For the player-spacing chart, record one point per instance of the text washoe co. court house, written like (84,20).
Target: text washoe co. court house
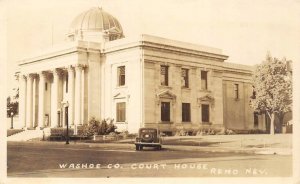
(145,81)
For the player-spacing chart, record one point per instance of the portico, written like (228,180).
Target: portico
(44,96)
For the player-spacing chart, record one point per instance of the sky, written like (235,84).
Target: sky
(246,30)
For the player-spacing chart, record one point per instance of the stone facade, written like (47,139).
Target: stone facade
(122,79)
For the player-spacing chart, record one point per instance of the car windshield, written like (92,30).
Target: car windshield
(148,131)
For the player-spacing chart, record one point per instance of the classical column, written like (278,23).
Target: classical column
(77,120)
(34,101)
(29,104)
(82,95)
(54,104)
(22,100)
(71,95)
(41,106)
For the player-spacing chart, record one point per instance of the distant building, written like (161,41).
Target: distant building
(145,81)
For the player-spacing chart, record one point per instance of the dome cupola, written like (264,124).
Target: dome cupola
(95,25)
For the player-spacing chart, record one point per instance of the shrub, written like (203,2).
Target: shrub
(199,132)
(257,131)
(132,135)
(250,131)
(95,127)
(91,128)
(229,132)
(124,134)
(61,131)
(110,127)
(103,127)
(180,133)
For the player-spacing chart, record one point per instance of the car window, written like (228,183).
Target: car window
(148,131)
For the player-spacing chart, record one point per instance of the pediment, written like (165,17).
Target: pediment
(206,98)
(119,95)
(166,94)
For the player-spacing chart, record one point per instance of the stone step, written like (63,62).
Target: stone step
(26,135)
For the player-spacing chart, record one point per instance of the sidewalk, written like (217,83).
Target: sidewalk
(130,146)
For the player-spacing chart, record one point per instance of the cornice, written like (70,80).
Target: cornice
(165,48)
(68,48)
(183,51)
(48,56)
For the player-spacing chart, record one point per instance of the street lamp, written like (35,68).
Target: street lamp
(12,120)
(66,106)
(67,122)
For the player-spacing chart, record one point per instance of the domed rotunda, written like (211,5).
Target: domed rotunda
(95,25)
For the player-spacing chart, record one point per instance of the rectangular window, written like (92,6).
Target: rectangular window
(184,78)
(205,113)
(236,91)
(165,111)
(121,75)
(164,75)
(121,112)
(186,112)
(46,86)
(203,80)
(67,82)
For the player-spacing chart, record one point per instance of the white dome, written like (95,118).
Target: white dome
(96,20)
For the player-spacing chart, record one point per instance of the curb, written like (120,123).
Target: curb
(265,151)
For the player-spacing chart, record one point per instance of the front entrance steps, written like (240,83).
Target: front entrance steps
(26,135)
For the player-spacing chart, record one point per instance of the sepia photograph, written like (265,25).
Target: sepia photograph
(139,90)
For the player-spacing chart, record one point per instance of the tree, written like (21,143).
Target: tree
(272,82)
(12,103)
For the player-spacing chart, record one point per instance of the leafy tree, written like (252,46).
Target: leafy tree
(12,103)
(272,82)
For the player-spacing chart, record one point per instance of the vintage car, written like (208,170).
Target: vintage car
(148,137)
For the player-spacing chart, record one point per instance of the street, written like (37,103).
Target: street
(27,159)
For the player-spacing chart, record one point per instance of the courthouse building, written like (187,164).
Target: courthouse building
(143,81)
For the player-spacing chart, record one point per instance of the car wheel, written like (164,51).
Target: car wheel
(158,147)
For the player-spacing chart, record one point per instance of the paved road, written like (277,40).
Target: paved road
(74,160)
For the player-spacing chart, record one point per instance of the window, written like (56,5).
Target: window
(121,75)
(205,113)
(46,86)
(236,91)
(164,75)
(165,111)
(185,77)
(121,112)
(67,82)
(186,112)
(203,79)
